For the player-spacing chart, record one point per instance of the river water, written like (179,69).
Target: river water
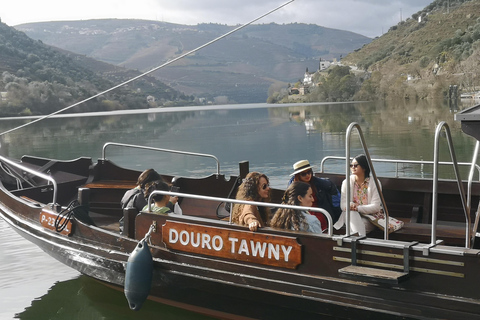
(271,138)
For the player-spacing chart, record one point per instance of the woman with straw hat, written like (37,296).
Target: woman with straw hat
(325,193)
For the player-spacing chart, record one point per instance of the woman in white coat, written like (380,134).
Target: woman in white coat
(364,198)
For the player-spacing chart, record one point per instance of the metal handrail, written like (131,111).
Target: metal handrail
(466,207)
(36,173)
(469,192)
(398,161)
(160,149)
(372,172)
(255,203)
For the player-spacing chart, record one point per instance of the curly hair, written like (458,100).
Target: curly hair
(248,190)
(289,218)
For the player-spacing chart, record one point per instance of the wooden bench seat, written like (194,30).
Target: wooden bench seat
(104,195)
(411,199)
(422,232)
(453,234)
(111,184)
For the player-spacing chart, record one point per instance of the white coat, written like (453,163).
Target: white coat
(357,222)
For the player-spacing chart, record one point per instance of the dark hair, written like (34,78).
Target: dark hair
(147,176)
(362,161)
(155,185)
(290,218)
(248,190)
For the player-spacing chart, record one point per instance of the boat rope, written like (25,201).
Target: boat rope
(150,71)
(153,228)
(66,215)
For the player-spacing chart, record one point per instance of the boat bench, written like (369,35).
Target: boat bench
(64,195)
(449,234)
(105,195)
(411,199)
(213,186)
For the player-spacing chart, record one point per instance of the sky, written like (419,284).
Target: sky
(370,18)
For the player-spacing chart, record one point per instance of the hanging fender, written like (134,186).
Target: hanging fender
(138,275)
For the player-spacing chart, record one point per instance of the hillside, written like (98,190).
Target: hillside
(424,55)
(242,66)
(39,79)
(432,55)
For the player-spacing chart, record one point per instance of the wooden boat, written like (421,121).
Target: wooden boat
(430,269)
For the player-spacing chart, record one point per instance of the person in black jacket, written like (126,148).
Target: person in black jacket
(134,198)
(325,193)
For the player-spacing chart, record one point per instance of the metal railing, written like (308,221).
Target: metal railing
(36,173)
(255,203)
(374,177)
(469,193)
(466,207)
(465,200)
(397,163)
(104,153)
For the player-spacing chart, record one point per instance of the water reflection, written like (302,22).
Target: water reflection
(394,115)
(84,298)
(272,139)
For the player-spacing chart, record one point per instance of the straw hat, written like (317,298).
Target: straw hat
(300,166)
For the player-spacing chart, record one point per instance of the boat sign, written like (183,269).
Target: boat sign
(274,250)
(47,219)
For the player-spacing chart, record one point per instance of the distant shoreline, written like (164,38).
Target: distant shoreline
(177,109)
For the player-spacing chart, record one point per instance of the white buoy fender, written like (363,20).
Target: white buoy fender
(138,275)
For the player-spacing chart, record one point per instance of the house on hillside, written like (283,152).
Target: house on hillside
(323,64)
(307,78)
(293,90)
(303,90)
(3,96)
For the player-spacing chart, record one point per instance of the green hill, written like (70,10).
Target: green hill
(422,56)
(39,79)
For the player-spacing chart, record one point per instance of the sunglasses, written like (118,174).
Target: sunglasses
(306,173)
(354,165)
(265,186)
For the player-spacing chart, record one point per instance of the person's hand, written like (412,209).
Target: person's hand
(353,206)
(173,199)
(253,226)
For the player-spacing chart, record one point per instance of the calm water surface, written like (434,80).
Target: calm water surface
(35,286)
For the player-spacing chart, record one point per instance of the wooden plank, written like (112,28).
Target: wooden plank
(111,184)
(374,274)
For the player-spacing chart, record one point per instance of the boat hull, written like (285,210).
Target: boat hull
(209,266)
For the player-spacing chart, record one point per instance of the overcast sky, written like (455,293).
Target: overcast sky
(366,17)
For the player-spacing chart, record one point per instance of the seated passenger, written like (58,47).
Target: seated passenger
(364,198)
(297,194)
(325,193)
(134,198)
(255,187)
(160,201)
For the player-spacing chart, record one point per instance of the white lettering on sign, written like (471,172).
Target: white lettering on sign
(254,248)
(258,249)
(47,219)
(267,249)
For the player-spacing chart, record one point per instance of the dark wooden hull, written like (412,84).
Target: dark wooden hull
(441,282)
